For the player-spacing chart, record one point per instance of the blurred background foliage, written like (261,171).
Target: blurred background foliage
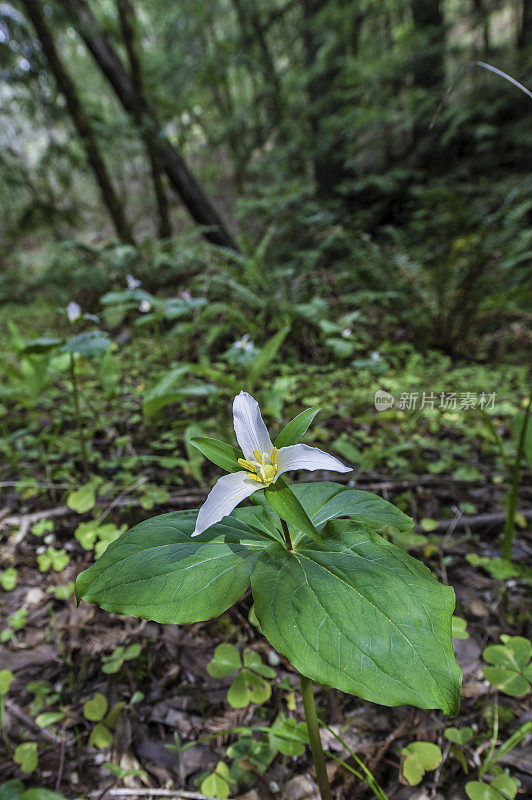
(291,164)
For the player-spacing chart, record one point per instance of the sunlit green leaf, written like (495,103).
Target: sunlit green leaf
(362,616)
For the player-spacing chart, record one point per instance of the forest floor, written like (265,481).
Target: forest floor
(60,648)
(62,655)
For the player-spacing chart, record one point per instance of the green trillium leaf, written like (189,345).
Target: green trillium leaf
(220,453)
(361,616)
(11,790)
(42,345)
(326,500)
(90,344)
(285,503)
(158,572)
(296,428)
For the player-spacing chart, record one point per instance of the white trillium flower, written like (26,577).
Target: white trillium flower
(133,283)
(73,311)
(145,306)
(263,463)
(244,344)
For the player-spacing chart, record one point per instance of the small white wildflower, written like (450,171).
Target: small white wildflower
(346,333)
(244,344)
(145,306)
(133,283)
(185,295)
(375,355)
(73,311)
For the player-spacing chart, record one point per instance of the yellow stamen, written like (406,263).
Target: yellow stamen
(258,456)
(273,457)
(247,464)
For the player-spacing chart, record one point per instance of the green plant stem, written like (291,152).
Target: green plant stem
(314,736)
(368,778)
(511,497)
(494,736)
(505,748)
(3,727)
(77,414)
(286,535)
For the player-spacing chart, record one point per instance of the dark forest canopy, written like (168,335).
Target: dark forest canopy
(309,119)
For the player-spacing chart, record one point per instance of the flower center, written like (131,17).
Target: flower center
(263,469)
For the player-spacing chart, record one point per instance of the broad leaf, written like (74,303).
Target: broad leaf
(248,688)
(459,735)
(226,660)
(90,344)
(418,758)
(476,790)
(514,653)
(43,345)
(362,616)
(507,680)
(101,737)
(95,709)
(158,572)
(26,756)
(296,428)
(11,790)
(220,453)
(285,503)
(325,500)
(216,785)
(253,661)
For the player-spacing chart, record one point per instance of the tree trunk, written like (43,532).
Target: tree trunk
(142,117)
(253,33)
(525,33)
(429,65)
(174,165)
(80,119)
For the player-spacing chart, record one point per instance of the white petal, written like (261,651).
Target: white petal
(301,456)
(73,311)
(251,432)
(225,495)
